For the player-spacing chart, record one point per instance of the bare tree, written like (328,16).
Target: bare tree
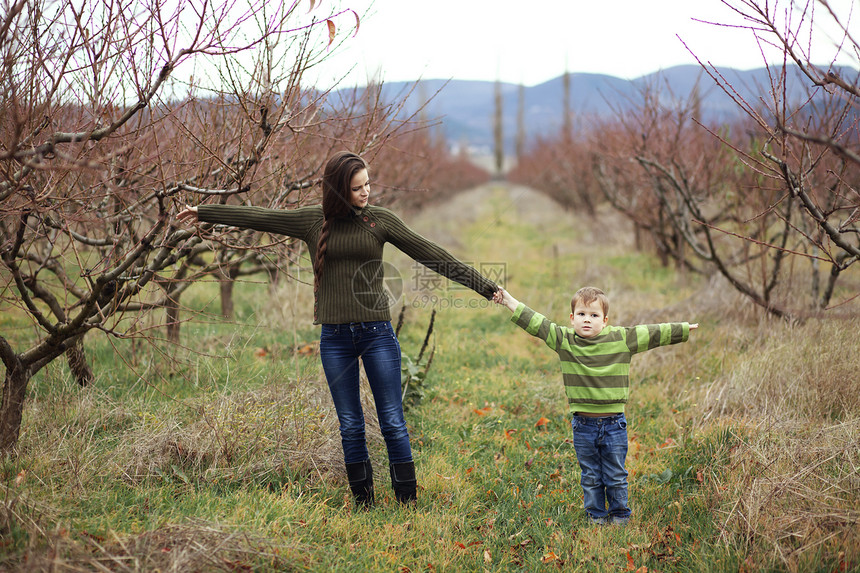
(114,115)
(560,167)
(806,149)
(498,129)
(769,201)
(695,191)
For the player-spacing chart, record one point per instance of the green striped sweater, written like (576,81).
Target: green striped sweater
(596,370)
(352,287)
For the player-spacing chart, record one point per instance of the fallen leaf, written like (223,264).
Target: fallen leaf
(549,556)
(542,422)
(19,479)
(631,566)
(307,349)
(487,557)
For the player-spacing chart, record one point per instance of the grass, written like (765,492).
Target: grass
(224,455)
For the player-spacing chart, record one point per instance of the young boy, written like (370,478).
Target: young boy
(595,362)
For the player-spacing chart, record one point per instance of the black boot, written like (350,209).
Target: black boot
(403,482)
(360,475)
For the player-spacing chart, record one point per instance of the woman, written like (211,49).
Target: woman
(346,236)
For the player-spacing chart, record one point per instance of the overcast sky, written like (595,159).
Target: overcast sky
(531,42)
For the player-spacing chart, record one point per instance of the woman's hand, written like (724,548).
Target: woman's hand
(188,215)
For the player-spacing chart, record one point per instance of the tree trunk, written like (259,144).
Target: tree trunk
(171,307)
(227,307)
(12,409)
(228,280)
(172,319)
(78,364)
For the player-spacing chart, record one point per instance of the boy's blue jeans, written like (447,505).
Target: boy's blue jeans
(341,345)
(601,448)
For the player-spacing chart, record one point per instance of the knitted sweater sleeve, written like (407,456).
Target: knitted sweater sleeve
(292,223)
(432,255)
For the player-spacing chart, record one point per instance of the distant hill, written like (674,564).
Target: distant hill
(466,108)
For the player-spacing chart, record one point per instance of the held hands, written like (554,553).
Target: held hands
(504,298)
(188,215)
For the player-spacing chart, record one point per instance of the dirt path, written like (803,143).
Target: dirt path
(443,221)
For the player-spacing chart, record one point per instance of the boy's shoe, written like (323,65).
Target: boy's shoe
(598,520)
(619,521)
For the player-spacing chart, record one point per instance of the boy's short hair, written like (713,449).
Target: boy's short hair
(589,294)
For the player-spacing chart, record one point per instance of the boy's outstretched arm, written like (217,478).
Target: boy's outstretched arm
(504,298)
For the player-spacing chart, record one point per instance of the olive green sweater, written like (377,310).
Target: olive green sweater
(352,287)
(596,370)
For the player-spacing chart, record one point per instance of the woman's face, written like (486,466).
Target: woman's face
(359,188)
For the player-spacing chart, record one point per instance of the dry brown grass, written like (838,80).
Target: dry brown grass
(196,546)
(794,373)
(790,494)
(250,436)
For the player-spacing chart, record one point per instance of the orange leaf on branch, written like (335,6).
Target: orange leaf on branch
(331,31)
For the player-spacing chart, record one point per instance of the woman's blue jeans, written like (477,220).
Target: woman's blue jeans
(601,448)
(341,345)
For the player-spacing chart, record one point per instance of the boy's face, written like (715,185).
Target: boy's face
(588,319)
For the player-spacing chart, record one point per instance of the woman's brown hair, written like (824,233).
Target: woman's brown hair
(336,194)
